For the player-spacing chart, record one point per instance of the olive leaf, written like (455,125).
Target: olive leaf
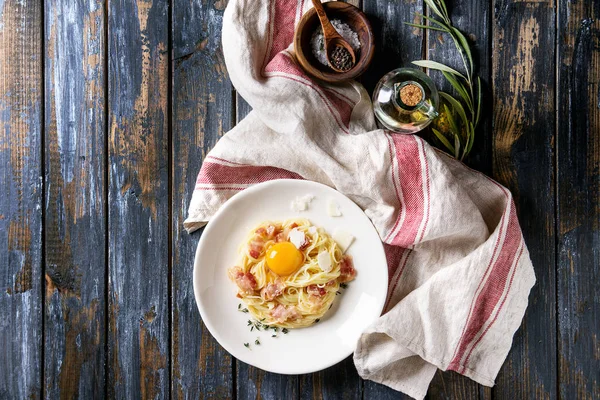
(478,101)
(431,4)
(463,83)
(458,107)
(471,139)
(443,5)
(437,66)
(456,146)
(464,46)
(462,91)
(453,127)
(443,139)
(434,21)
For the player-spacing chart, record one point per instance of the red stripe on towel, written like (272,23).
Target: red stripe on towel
(284,15)
(218,188)
(342,106)
(322,96)
(392,167)
(393,256)
(218,174)
(280,34)
(283,63)
(491,293)
(512,275)
(428,201)
(406,253)
(410,176)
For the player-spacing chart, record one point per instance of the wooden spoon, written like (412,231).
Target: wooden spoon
(332,38)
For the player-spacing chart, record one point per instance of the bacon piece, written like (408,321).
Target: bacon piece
(245,280)
(315,290)
(272,290)
(281,237)
(305,244)
(267,233)
(282,313)
(256,246)
(271,231)
(347,271)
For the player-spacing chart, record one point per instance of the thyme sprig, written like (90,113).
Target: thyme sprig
(462,130)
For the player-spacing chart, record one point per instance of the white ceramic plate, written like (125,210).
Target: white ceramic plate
(303,350)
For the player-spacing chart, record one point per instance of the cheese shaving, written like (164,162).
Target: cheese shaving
(324,261)
(301,203)
(297,237)
(343,239)
(333,209)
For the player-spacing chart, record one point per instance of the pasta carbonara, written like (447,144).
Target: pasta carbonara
(289,273)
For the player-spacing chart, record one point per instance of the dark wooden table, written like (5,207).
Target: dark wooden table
(107,109)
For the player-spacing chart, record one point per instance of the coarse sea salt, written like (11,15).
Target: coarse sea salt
(317,42)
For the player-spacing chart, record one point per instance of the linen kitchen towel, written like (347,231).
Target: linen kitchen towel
(459,270)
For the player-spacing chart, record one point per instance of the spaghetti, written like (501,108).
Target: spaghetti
(306,290)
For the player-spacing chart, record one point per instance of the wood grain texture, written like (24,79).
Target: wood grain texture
(523,160)
(397,46)
(138,338)
(20,199)
(75,210)
(53,236)
(202,112)
(252,382)
(340,381)
(578,185)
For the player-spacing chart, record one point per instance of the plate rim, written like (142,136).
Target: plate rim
(208,226)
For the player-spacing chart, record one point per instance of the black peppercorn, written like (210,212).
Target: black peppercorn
(341,59)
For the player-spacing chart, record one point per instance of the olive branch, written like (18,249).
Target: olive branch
(462,130)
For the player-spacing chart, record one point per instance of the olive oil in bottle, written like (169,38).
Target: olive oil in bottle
(405,100)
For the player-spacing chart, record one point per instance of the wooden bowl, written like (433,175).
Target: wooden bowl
(352,16)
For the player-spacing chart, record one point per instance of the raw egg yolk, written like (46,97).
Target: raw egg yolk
(284,258)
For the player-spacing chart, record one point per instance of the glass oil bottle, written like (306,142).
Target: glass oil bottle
(405,100)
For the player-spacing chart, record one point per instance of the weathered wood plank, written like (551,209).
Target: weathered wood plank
(254,383)
(450,385)
(523,160)
(578,185)
(251,382)
(75,210)
(397,45)
(20,199)
(138,76)
(472,17)
(340,381)
(202,112)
